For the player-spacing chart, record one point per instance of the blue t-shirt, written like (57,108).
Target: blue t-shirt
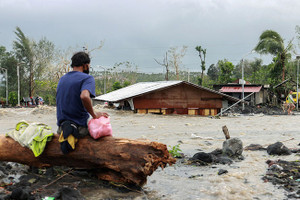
(68,102)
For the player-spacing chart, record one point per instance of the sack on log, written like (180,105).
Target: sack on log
(114,159)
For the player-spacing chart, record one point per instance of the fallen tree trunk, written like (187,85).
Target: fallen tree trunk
(115,159)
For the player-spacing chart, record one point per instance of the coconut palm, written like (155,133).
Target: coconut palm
(23,49)
(270,42)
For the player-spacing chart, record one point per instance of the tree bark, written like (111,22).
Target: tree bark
(226,132)
(114,159)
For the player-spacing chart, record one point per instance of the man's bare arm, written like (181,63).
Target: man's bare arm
(87,103)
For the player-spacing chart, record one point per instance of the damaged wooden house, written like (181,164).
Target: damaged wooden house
(255,93)
(168,97)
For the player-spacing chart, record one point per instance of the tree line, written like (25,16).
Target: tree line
(41,65)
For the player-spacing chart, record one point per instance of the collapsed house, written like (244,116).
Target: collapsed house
(168,97)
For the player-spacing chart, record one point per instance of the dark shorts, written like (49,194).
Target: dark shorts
(83,131)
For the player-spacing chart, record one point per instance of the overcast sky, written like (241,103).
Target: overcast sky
(141,30)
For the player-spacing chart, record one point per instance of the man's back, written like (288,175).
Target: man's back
(68,101)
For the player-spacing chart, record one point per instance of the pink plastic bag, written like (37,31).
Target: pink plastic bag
(100,127)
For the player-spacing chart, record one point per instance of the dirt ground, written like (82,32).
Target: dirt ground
(193,133)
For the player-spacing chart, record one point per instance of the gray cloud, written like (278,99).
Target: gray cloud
(139,31)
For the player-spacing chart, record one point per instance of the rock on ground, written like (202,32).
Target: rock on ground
(278,148)
(233,147)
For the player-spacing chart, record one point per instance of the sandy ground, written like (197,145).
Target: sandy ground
(188,182)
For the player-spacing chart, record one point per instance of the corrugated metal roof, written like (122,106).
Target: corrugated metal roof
(240,89)
(146,87)
(135,90)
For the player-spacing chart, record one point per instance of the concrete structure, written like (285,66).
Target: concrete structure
(168,97)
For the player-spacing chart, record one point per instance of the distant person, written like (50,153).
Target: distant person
(41,100)
(73,98)
(291,103)
(37,101)
(32,101)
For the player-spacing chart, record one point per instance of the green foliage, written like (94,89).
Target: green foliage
(213,72)
(126,83)
(207,82)
(33,58)
(270,42)
(9,62)
(47,90)
(226,69)
(199,81)
(174,151)
(116,86)
(50,99)
(254,72)
(13,98)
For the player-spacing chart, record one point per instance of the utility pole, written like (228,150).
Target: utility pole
(243,82)
(18,74)
(243,87)
(297,58)
(6,79)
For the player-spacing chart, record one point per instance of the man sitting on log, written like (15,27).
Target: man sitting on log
(73,99)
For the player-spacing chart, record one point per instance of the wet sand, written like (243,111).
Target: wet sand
(181,181)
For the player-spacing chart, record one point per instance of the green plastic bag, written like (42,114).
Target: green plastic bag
(48,198)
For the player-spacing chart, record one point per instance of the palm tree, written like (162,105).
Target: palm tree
(270,42)
(23,48)
(202,55)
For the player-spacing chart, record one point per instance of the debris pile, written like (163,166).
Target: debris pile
(30,183)
(43,109)
(22,182)
(232,150)
(286,175)
(259,109)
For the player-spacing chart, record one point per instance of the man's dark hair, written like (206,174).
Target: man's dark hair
(80,58)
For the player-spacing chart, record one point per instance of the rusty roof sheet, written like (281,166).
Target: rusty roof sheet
(239,89)
(141,88)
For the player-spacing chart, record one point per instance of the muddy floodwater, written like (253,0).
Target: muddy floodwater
(194,133)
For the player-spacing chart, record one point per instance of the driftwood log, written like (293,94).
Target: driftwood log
(226,132)
(115,159)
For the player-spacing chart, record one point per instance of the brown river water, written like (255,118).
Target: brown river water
(181,181)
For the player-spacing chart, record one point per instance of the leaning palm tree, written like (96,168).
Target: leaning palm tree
(24,52)
(270,42)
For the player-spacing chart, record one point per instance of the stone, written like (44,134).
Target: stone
(217,152)
(222,171)
(223,160)
(233,147)
(255,147)
(204,157)
(278,148)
